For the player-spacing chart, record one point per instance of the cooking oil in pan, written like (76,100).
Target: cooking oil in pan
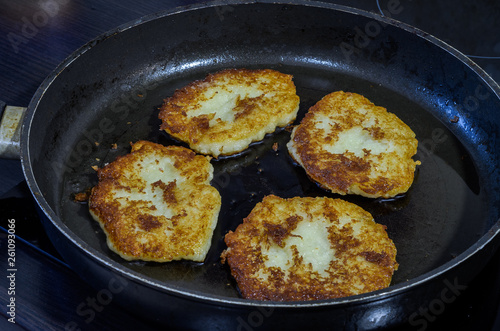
(438,218)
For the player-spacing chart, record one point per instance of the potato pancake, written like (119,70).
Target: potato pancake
(157,204)
(309,249)
(348,145)
(228,110)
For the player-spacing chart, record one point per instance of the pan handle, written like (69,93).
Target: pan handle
(11,119)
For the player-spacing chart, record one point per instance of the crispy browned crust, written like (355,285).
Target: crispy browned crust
(135,227)
(363,260)
(275,105)
(370,175)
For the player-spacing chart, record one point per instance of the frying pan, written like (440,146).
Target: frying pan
(108,92)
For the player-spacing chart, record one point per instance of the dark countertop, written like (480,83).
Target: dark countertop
(36,35)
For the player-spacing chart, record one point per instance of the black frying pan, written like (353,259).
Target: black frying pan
(445,228)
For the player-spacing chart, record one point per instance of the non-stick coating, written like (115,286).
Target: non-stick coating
(109,93)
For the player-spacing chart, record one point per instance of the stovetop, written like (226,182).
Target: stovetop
(36,36)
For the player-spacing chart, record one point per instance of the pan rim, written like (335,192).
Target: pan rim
(103,260)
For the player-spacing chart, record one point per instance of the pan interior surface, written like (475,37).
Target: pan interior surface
(109,97)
